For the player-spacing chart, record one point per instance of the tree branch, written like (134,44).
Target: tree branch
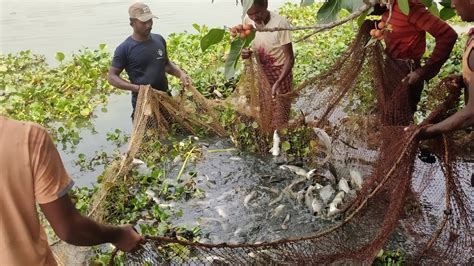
(322,27)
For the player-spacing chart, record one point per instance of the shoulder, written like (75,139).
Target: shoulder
(157,38)
(22,128)
(125,44)
(281,21)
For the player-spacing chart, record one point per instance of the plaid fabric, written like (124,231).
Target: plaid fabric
(280,106)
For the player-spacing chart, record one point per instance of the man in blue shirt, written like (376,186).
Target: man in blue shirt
(144,57)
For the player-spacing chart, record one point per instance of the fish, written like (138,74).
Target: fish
(356,179)
(238,231)
(272,190)
(275,150)
(221,212)
(249,197)
(333,209)
(215,259)
(316,206)
(308,197)
(276,200)
(327,142)
(335,203)
(136,162)
(218,94)
(150,193)
(300,195)
(326,193)
(235,158)
(299,171)
(284,225)
(289,189)
(343,185)
(278,210)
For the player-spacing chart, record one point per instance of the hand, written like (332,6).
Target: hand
(276,88)
(135,88)
(246,53)
(128,240)
(425,132)
(185,80)
(412,78)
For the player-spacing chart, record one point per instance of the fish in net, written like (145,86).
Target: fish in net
(430,201)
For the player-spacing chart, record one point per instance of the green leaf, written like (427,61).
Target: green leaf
(233,57)
(328,12)
(434,9)
(446,3)
(427,3)
(59,56)
(102,46)
(212,37)
(351,5)
(85,112)
(285,145)
(246,4)
(404,6)
(196,27)
(249,39)
(447,13)
(307,2)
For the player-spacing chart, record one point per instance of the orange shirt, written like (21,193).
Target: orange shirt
(31,171)
(408,38)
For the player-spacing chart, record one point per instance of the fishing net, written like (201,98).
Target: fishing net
(431,202)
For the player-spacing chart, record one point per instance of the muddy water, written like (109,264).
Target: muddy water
(227,178)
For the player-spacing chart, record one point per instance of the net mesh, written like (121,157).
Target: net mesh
(430,201)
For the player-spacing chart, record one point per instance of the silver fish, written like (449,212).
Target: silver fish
(136,162)
(298,170)
(333,209)
(284,225)
(276,200)
(235,158)
(335,203)
(221,212)
(356,179)
(308,197)
(249,197)
(327,142)
(300,195)
(150,193)
(326,193)
(278,210)
(317,206)
(275,150)
(343,185)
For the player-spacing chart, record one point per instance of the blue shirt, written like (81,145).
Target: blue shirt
(144,62)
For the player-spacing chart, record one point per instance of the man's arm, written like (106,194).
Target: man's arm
(287,67)
(445,39)
(174,70)
(118,82)
(462,119)
(79,230)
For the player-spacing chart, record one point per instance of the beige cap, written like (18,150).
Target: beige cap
(141,12)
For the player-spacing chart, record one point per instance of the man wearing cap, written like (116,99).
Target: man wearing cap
(144,57)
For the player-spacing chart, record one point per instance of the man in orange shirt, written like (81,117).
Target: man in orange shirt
(31,171)
(406,44)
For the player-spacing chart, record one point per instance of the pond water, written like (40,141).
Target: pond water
(46,27)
